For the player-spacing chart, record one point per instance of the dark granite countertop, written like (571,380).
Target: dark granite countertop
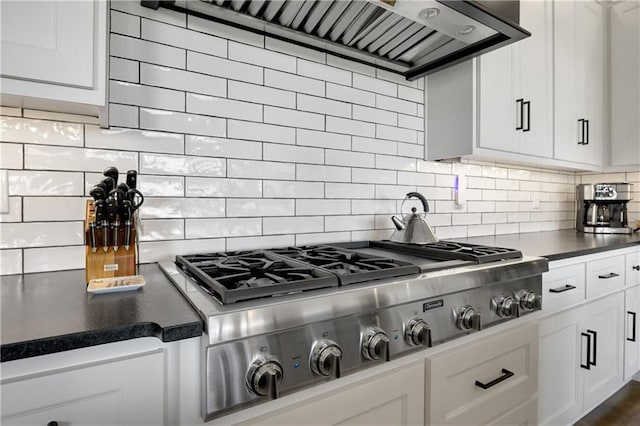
(52,312)
(555,245)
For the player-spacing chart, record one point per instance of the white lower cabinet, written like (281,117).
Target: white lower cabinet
(393,398)
(488,381)
(581,359)
(631,332)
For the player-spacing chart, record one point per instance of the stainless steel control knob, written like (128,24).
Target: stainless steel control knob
(417,333)
(468,318)
(528,300)
(506,307)
(375,344)
(325,358)
(264,376)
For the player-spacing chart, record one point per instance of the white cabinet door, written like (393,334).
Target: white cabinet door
(632,332)
(124,391)
(394,398)
(560,386)
(578,81)
(625,84)
(604,326)
(632,269)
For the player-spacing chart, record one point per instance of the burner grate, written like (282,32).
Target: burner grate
(450,250)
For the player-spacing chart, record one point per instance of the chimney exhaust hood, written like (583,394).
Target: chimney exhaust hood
(409,37)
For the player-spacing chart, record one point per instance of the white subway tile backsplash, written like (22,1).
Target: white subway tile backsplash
(40,234)
(375,85)
(350,127)
(395,163)
(376,146)
(289,117)
(349,190)
(478,230)
(294,83)
(449,232)
(507,206)
(224,31)
(398,105)
(261,94)
(146,51)
(347,94)
(39,183)
(507,228)
(494,218)
(435,193)
(124,70)
(78,159)
(162,14)
(295,50)
(446,206)
(411,94)
(292,154)
(154,97)
(374,115)
(466,219)
(324,72)
(161,186)
(10,111)
(348,65)
(517,174)
(323,106)
(43,209)
(222,187)
(394,192)
(323,139)
(10,156)
(292,189)
(125,24)
(219,67)
(184,38)
(505,184)
(396,134)
(181,165)
(323,173)
(411,122)
(124,116)
(217,147)
(169,229)
(253,243)
(155,75)
(292,225)
(133,140)
(349,159)
(170,121)
(349,223)
(495,172)
(169,208)
(24,130)
(481,183)
(411,150)
(462,168)
(394,78)
(529,186)
(218,228)
(414,178)
(259,207)
(322,207)
(262,57)
(261,132)
(15,211)
(373,207)
(54,259)
(221,107)
(59,116)
(325,238)
(370,235)
(10,262)
(158,251)
(260,169)
(481,206)
(374,176)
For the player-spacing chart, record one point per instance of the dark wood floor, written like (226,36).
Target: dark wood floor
(623,408)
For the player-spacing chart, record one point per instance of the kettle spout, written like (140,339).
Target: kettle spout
(398,223)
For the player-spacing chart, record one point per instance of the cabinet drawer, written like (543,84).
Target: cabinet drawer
(605,275)
(632,268)
(479,383)
(563,287)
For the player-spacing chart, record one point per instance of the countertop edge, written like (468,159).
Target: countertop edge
(584,252)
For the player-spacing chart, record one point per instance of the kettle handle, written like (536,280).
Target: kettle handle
(425,204)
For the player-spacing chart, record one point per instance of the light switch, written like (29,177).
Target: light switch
(4,191)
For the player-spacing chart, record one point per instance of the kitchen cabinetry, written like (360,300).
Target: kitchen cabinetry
(490,381)
(579,62)
(632,315)
(54,51)
(499,105)
(393,398)
(624,24)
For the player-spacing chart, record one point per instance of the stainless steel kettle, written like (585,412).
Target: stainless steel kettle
(413,228)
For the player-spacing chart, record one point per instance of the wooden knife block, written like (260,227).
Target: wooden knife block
(112,263)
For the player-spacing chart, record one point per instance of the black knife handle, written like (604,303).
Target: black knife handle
(113,173)
(109,184)
(112,209)
(99,206)
(122,187)
(132,179)
(98,193)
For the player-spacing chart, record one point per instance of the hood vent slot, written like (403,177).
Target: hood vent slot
(404,36)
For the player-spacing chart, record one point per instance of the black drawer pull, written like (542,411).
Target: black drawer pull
(562,289)
(633,333)
(586,366)
(636,267)
(609,275)
(595,346)
(505,375)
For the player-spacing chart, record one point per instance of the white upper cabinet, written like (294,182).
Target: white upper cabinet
(624,25)
(53,50)
(579,63)
(498,106)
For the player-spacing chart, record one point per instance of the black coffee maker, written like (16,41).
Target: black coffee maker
(602,208)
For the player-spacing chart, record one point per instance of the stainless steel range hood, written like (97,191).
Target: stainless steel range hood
(409,37)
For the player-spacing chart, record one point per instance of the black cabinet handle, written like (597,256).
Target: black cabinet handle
(609,275)
(52,423)
(636,267)
(581,140)
(562,289)
(586,133)
(633,333)
(505,375)
(528,105)
(586,366)
(595,346)
(519,103)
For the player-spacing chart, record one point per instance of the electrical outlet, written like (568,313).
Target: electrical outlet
(4,191)
(535,200)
